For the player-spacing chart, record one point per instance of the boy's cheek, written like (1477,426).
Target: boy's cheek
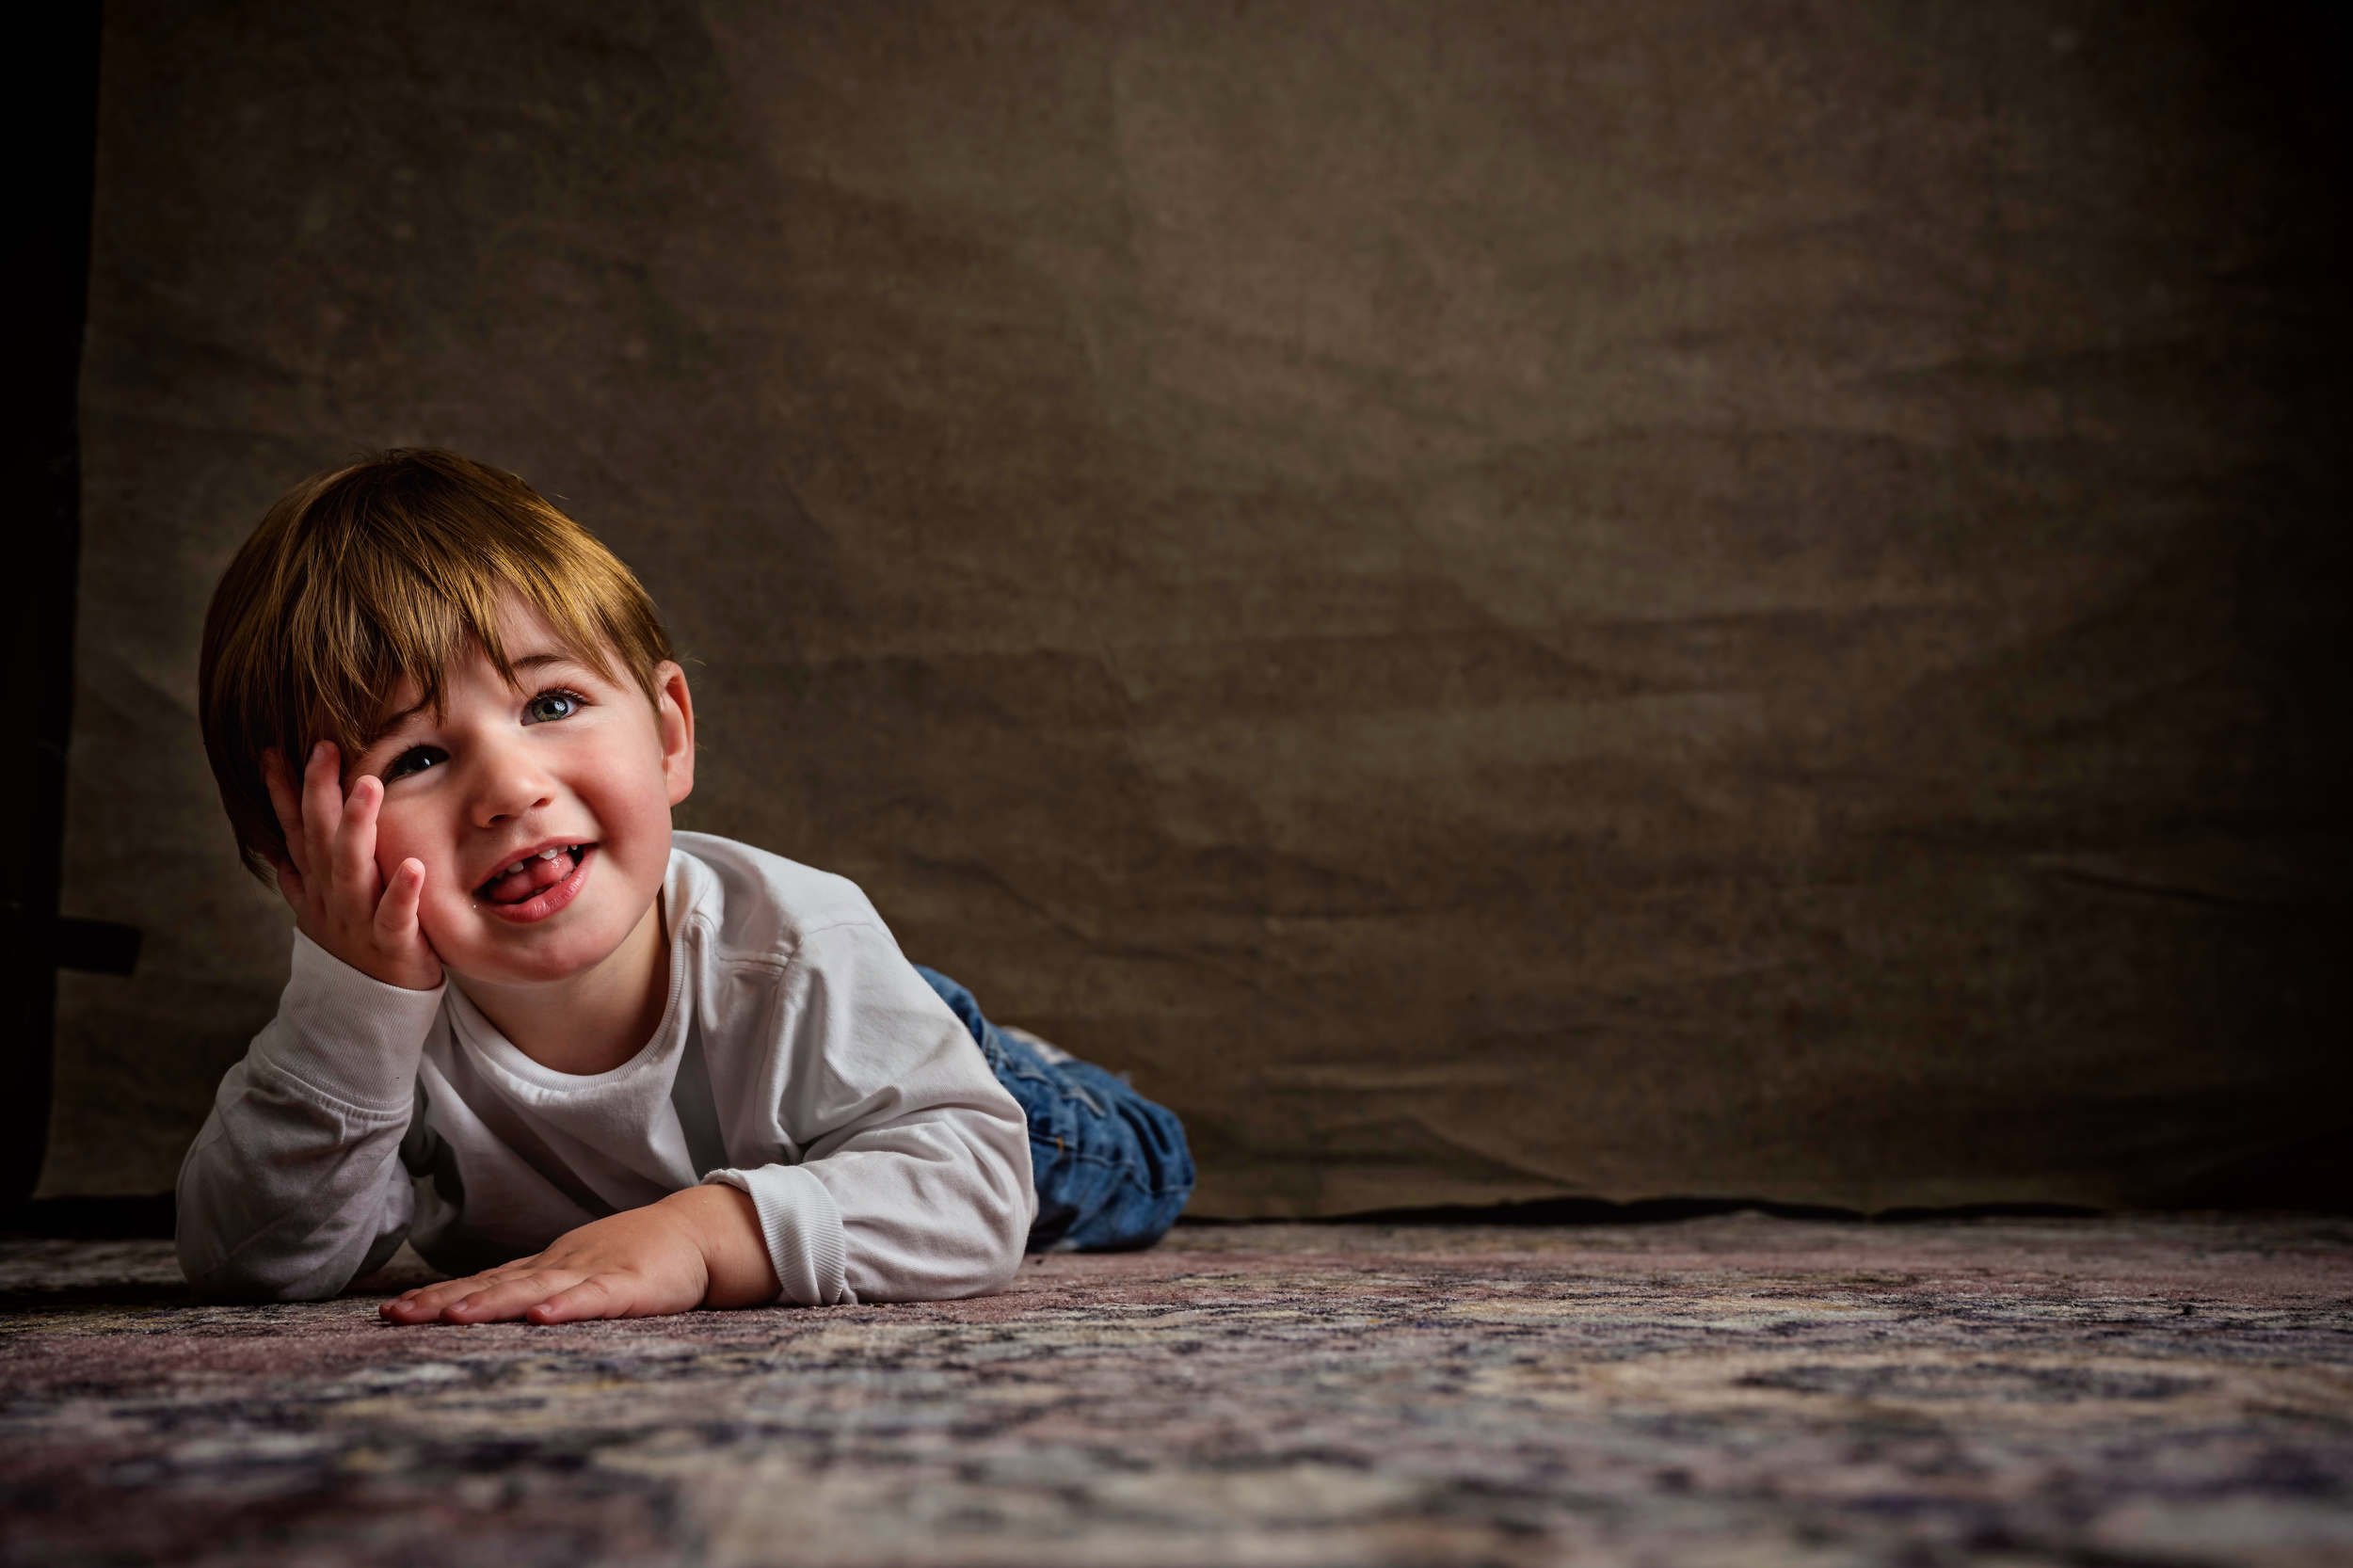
(435,925)
(441,901)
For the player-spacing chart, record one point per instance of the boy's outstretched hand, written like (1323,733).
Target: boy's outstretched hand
(340,899)
(689,1250)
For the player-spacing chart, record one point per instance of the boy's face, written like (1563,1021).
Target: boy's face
(569,758)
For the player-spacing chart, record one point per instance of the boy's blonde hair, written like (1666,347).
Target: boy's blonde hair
(363,577)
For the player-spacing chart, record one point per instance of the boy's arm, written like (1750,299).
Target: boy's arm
(724,1226)
(295,1187)
(915,1181)
(700,1247)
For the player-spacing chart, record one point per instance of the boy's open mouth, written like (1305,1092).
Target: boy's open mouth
(538,872)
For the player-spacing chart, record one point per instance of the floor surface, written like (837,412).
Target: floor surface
(1730,1390)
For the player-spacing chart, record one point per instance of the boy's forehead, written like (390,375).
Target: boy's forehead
(523,632)
(521,624)
(473,668)
(530,643)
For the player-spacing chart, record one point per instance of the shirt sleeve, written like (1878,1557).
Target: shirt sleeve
(295,1187)
(915,1181)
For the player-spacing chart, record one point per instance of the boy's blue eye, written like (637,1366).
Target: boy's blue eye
(398,767)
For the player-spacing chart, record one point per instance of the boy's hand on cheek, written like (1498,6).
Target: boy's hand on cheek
(640,1263)
(330,879)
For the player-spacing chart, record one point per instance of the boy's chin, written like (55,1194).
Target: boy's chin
(528,956)
(478,976)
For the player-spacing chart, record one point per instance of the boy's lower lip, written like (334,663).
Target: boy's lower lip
(548,900)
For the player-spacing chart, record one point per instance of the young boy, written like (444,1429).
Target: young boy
(593,1068)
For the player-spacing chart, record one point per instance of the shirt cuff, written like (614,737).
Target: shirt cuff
(347,1033)
(803,1227)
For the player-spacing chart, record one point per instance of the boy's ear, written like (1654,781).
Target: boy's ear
(675,718)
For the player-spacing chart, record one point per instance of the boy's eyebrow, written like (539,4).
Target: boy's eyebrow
(528,662)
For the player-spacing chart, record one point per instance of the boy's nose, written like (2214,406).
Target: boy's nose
(511,787)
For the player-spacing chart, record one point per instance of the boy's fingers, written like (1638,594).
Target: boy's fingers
(396,915)
(354,846)
(433,1297)
(430,1299)
(506,1298)
(282,800)
(590,1297)
(322,800)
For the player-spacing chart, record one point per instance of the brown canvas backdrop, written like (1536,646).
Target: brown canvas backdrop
(1495,600)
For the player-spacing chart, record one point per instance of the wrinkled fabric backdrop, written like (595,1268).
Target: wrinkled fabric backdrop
(1496,601)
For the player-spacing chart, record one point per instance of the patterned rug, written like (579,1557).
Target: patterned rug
(1729,1390)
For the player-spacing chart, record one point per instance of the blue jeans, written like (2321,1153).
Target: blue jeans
(1112,1168)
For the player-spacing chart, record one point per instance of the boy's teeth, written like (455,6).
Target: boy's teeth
(523,878)
(515,868)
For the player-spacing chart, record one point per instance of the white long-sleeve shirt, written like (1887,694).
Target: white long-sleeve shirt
(800,1058)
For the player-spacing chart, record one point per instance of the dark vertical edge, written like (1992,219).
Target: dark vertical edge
(55,105)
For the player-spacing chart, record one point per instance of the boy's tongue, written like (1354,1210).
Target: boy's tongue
(517,885)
